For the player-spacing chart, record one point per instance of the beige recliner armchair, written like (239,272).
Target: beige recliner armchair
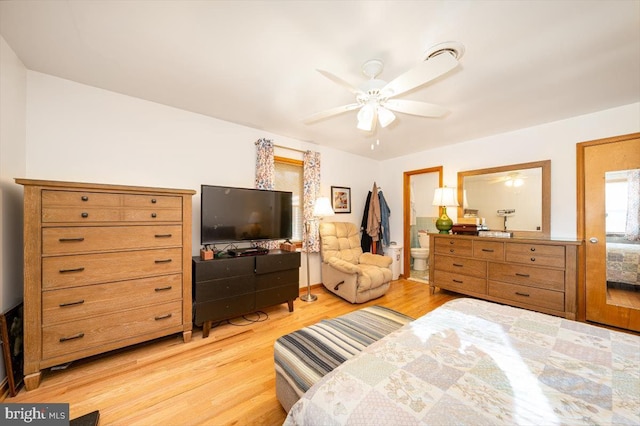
(347,271)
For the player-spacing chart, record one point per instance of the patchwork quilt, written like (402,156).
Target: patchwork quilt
(479,363)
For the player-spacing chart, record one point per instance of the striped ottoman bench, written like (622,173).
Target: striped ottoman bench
(306,355)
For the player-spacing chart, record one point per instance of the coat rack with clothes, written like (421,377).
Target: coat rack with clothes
(375,222)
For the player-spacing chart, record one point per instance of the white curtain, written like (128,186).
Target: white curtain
(632,228)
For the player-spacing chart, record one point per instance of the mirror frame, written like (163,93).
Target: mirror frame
(545,232)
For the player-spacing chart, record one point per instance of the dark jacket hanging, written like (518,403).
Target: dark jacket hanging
(365,239)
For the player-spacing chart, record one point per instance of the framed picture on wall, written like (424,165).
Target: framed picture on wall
(341,199)
(12,349)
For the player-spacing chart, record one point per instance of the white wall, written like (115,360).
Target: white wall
(13,80)
(553,141)
(79,133)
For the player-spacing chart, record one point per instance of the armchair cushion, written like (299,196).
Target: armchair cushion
(344,266)
(375,260)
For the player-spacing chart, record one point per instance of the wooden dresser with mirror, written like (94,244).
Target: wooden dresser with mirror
(530,270)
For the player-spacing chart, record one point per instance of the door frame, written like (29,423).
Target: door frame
(406,202)
(580,220)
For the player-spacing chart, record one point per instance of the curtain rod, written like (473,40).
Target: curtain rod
(291,149)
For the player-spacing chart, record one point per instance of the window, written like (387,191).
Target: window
(289,177)
(616,202)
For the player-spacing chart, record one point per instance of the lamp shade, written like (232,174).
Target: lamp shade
(445,197)
(385,117)
(366,117)
(322,207)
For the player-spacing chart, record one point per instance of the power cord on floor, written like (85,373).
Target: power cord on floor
(260,317)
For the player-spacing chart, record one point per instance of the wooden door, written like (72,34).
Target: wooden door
(610,299)
(407,209)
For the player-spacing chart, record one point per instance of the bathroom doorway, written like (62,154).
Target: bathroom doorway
(419,218)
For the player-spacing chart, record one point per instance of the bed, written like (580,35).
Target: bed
(480,363)
(623,264)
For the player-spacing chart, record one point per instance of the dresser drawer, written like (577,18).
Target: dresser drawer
(119,214)
(223,288)
(528,295)
(457,265)
(51,198)
(535,254)
(155,201)
(488,250)
(457,282)
(85,269)
(277,279)
(281,262)
(152,215)
(222,268)
(83,239)
(552,279)
(453,246)
(63,339)
(77,303)
(276,295)
(220,309)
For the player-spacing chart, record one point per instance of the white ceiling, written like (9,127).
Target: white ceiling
(254,62)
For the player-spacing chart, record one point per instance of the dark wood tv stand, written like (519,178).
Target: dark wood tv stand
(230,287)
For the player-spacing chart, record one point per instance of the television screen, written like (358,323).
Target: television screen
(240,214)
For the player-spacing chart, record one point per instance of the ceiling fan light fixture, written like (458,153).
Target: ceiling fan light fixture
(385,117)
(366,117)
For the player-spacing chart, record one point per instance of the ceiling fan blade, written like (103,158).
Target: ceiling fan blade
(330,112)
(340,82)
(422,109)
(428,70)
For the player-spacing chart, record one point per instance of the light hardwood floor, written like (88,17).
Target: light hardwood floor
(225,379)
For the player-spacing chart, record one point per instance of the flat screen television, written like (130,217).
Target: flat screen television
(240,214)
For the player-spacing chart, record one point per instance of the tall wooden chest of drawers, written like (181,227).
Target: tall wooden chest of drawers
(536,274)
(105,266)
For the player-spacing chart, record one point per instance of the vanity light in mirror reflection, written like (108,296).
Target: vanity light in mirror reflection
(510,198)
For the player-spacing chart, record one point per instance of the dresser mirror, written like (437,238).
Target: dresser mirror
(514,198)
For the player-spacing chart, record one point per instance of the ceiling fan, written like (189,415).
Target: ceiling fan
(375,98)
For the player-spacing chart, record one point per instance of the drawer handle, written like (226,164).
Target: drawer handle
(533,259)
(163,235)
(153,215)
(163,260)
(488,250)
(153,201)
(457,281)
(532,249)
(74,337)
(522,275)
(163,288)
(452,251)
(66,271)
(84,215)
(458,265)
(522,294)
(165,316)
(84,198)
(450,242)
(68,240)
(78,302)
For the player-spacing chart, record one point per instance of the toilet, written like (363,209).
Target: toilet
(421,254)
